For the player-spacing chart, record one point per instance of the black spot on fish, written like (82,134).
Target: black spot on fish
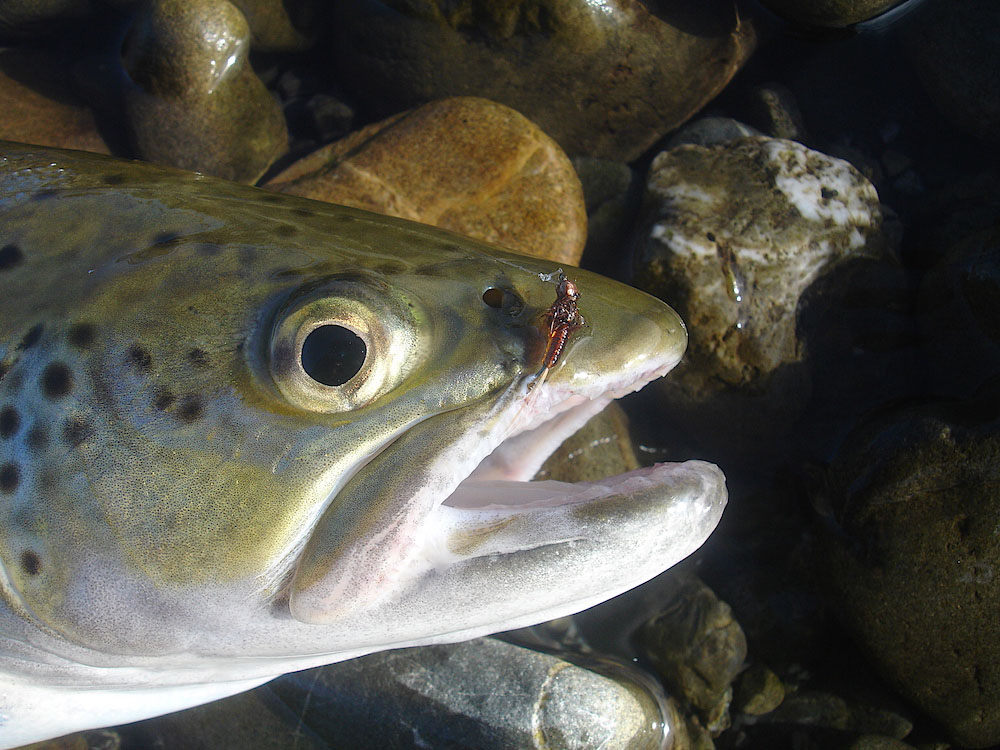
(113,179)
(190,409)
(37,438)
(81,335)
(76,431)
(32,336)
(9,477)
(299,211)
(31,563)
(285,230)
(10,420)
(10,256)
(198,358)
(139,358)
(272,198)
(208,248)
(828,193)
(57,380)
(164,399)
(167,238)
(42,195)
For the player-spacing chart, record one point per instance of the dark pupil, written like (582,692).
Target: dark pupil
(332,355)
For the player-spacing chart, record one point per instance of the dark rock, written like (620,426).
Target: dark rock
(953,48)
(829,12)
(913,558)
(603,79)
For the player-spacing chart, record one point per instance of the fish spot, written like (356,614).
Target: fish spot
(139,358)
(32,336)
(285,230)
(76,431)
(208,248)
(113,179)
(81,335)
(10,256)
(37,438)
(190,409)
(167,238)
(299,211)
(10,420)
(164,399)
(9,478)
(42,195)
(198,357)
(31,563)
(57,380)
(272,198)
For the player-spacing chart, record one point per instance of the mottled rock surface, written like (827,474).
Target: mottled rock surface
(736,234)
(603,79)
(193,100)
(464,164)
(914,559)
(697,647)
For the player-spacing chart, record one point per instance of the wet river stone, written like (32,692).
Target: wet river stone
(829,12)
(735,233)
(193,100)
(697,647)
(913,560)
(39,107)
(604,79)
(464,164)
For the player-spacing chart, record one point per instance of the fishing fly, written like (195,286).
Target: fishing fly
(562,318)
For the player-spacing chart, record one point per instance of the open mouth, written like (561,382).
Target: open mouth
(475,535)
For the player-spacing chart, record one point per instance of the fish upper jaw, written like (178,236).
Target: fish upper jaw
(465,513)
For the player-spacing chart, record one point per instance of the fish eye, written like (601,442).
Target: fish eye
(333,354)
(340,345)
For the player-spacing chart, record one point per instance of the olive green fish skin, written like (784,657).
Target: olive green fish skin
(186,511)
(134,323)
(136,307)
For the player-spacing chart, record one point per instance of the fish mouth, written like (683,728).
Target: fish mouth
(478,537)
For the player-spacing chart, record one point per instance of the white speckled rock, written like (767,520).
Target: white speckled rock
(735,234)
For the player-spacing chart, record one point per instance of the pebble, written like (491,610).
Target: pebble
(697,648)
(494,695)
(193,100)
(464,164)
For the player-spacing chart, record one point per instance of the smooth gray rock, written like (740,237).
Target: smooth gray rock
(483,694)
